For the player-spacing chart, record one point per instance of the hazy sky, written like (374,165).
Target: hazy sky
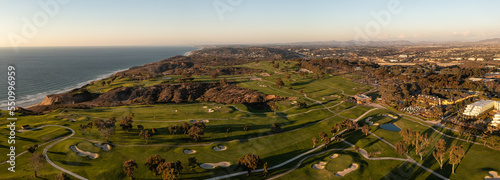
(197,22)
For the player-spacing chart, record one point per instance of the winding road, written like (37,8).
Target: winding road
(54,143)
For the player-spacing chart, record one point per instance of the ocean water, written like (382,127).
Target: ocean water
(41,71)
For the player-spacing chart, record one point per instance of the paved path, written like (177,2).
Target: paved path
(54,143)
(40,145)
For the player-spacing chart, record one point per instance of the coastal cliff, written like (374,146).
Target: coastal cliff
(217,63)
(163,93)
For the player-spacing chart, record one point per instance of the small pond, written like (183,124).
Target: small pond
(390,127)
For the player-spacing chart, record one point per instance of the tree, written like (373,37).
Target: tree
(279,82)
(140,127)
(32,149)
(223,82)
(336,128)
(169,174)
(315,141)
(153,162)
(214,75)
(200,124)
(126,123)
(456,155)
(195,132)
(401,148)
(356,148)
(192,163)
(62,176)
(185,127)
(326,141)
(493,141)
(365,129)
(107,129)
(146,135)
(170,170)
(322,135)
(154,131)
(173,129)
(302,105)
(288,76)
(228,130)
(129,167)
(246,127)
(275,127)
(37,162)
(249,162)
(439,152)
(265,169)
(408,136)
(421,145)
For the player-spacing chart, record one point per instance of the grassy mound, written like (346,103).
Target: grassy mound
(338,164)
(87,146)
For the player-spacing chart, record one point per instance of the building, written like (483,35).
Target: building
(475,79)
(429,99)
(496,120)
(362,99)
(496,59)
(480,59)
(492,75)
(479,107)
(434,100)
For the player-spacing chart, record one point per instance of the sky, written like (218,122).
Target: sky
(206,22)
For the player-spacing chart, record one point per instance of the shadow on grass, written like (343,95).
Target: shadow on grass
(58,153)
(74,163)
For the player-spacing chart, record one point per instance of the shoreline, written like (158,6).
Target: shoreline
(100,77)
(79,85)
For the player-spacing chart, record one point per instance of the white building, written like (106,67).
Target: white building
(479,107)
(472,59)
(480,59)
(496,120)
(496,59)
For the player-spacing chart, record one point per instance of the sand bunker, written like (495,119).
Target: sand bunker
(189,151)
(319,166)
(83,153)
(493,175)
(367,120)
(204,121)
(214,165)
(104,147)
(353,167)
(334,156)
(24,130)
(219,148)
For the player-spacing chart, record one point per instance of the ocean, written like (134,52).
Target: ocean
(41,71)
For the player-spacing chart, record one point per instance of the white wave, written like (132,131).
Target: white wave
(32,99)
(189,52)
